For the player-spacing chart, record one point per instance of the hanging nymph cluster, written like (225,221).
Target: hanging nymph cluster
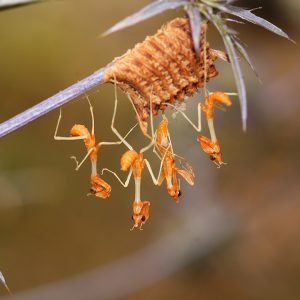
(161,73)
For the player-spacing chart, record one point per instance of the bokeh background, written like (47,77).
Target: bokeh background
(234,235)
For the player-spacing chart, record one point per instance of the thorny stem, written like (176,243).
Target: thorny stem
(211,9)
(54,102)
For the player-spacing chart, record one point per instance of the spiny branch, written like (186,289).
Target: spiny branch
(196,10)
(53,102)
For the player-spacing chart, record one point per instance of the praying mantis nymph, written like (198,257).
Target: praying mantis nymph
(170,170)
(135,162)
(99,187)
(210,145)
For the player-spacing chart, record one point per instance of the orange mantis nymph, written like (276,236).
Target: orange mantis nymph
(162,141)
(134,162)
(99,187)
(210,145)
(168,159)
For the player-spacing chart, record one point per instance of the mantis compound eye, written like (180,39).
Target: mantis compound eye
(212,157)
(143,219)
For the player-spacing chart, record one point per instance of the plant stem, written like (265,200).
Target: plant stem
(54,102)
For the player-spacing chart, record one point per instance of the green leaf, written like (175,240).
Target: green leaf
(235,64)
(6,4)
(146,12)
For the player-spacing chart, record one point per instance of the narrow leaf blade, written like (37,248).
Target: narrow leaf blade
(250,17)
(243,52)
(238,75)
(146,12)
(6,4)
(2,280)
(195,22)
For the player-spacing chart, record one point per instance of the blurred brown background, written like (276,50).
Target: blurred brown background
(235,235)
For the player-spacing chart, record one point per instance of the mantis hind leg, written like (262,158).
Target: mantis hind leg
(115,131)
(65,138)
